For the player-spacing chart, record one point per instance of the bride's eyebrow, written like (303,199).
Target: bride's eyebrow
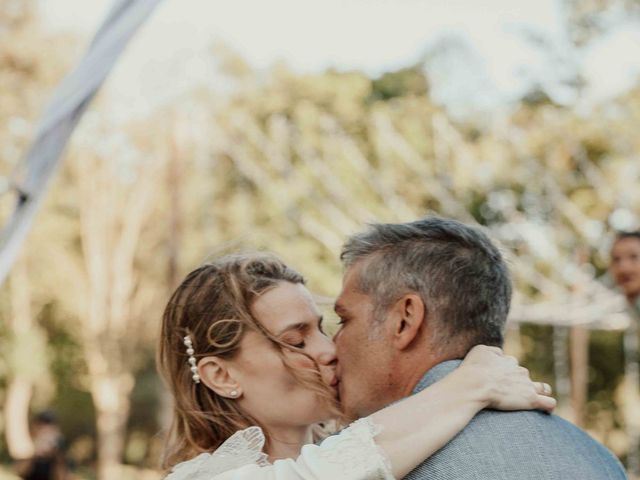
(298,326)
(293,326)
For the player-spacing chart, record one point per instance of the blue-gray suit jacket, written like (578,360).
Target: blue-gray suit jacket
(516,446)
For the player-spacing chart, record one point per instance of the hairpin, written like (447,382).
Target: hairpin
(192,360)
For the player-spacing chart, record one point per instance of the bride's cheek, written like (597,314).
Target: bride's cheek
(304,362)
(298,360)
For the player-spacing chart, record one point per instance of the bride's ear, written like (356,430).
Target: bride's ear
(215,374)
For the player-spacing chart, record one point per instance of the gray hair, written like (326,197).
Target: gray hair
(459,274)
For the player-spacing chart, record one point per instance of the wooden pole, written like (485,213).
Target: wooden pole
(579,372)
(632,398)
(561,370)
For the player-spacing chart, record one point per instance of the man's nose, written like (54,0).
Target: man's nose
(336,336)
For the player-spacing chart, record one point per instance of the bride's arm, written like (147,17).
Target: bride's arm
(417,427)
(409,431)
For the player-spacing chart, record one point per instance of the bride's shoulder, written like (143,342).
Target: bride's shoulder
(245,447)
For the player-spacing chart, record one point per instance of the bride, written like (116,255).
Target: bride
(255,391)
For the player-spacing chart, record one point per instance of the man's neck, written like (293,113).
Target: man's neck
(412,370)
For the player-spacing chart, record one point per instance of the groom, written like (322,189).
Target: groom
(416,297)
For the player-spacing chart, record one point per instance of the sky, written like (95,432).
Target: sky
(493,64)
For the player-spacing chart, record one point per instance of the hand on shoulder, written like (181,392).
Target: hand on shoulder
(502,383)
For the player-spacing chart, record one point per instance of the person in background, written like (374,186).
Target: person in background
(625,271)
(625,266)
(48,461)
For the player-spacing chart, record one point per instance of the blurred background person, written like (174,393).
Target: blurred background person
(625,267)
(625,271)
(48,461)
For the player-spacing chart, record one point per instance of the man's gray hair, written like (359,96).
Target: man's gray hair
(459,274)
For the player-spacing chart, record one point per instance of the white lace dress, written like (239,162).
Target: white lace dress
(350,455)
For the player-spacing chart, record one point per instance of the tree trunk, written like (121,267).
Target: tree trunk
(174,183)
(16,415)
(111,398)
(20,388)
(174,180)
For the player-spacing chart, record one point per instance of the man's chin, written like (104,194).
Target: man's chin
(349,411)
(349,416)
(346,417)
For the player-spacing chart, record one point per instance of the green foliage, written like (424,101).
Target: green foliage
(406,81)
(26,354)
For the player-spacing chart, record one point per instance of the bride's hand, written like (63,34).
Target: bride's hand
(505,384)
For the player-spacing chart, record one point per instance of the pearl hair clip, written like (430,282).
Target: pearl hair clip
(192,360)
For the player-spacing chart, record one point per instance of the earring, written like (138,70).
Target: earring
(234,393)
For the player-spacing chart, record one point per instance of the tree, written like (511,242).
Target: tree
(117,182)
(27,74)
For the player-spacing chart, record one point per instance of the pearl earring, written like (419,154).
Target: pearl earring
(234,393)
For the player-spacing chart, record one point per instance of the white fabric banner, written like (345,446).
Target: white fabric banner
(69,102)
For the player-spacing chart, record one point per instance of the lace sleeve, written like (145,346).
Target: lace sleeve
(242,448)
(350,455)
(355,453)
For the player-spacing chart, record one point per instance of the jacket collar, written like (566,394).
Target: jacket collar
(436,373)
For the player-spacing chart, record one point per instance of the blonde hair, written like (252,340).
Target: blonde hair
(213,305)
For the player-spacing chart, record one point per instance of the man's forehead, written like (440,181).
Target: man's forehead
(352,275)
(349,284)
(351,297)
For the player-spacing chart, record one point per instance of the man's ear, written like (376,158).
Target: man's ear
(215,373)
(408,316)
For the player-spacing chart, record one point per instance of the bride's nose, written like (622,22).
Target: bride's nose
(326,354)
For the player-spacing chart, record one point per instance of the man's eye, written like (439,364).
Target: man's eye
(299,345)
